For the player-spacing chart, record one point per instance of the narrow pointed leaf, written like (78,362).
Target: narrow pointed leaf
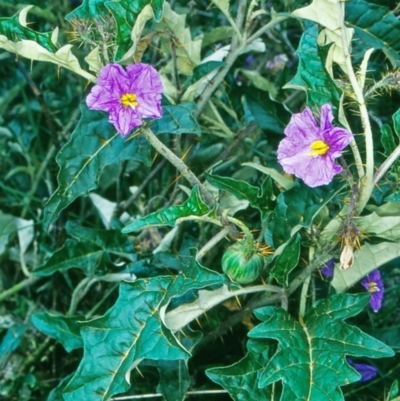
(99,146)
(311,358)
(193,206)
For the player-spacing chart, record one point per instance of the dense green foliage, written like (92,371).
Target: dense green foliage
(181,260)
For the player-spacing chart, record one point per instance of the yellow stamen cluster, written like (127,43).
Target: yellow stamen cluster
(373,287)
(129,100)
(319,148)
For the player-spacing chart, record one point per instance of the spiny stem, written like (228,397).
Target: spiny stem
(211,243)
(178,163)
(366,186)
(243,226)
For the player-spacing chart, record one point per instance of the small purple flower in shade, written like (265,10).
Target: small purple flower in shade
(327,269)
(127,95)
(309,151)
(367,372)
(248,61)
(374,285)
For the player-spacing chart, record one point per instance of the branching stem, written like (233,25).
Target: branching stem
(178,163)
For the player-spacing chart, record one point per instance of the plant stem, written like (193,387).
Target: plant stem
(245,229)
(18,287)
(366,186)
(235,50)
(179,164)
(303,296)
(304,289)
(386,165)
(211,243)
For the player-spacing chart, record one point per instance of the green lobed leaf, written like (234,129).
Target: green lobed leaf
(177,119)
(367,259)
(73,254)
(387,139)
(311,357)
(93,145)
(65,329)
(258,198)
(130,331)
(375,27)
(193,206)
(241,378)
(286,259)
(311,75)
(15,29)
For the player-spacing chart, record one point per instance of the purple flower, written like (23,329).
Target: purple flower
(374,285)
(367,372)
(128,96)
(327,269)
(248,62)
(309,151)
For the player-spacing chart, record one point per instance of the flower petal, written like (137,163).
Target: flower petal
(338,139)
(303,125)
(101,98)
(124,119)
(114,78)
(144,79)
(326,117)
